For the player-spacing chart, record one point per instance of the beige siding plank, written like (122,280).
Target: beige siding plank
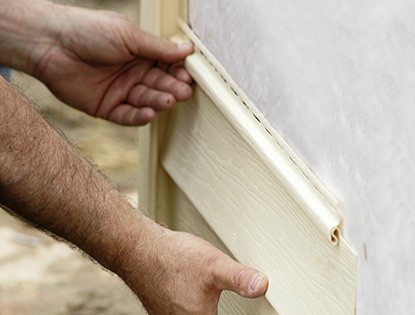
(256,213)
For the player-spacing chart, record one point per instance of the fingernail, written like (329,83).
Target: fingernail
(256,281)
(185,46)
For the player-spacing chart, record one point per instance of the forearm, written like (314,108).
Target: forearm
(44,180)
(27,32)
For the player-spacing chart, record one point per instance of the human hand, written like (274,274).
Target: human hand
(185,274)
(104,65)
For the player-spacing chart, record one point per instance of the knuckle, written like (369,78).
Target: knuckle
(238,277)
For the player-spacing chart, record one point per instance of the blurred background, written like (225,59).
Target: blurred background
(39,275)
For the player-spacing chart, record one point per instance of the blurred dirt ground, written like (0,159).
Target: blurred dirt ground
(39,275)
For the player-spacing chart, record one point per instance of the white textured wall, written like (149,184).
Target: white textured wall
(337,79)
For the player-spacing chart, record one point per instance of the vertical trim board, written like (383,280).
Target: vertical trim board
(158,17)
(150,19)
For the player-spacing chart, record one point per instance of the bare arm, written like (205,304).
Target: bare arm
(109,68)
(44,180)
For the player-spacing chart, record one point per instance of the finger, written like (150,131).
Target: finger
(247,282)
(177,70)
(128,115)
(143,96)
(162,81)
(118,90)
(156,48)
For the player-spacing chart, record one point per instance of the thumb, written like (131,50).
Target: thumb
(246,281)
(153,47)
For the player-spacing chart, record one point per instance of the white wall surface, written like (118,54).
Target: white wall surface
(337,79)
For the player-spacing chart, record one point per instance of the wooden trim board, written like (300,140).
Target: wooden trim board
(262,205)
(158,17)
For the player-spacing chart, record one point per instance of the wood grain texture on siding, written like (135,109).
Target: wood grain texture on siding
(251,204)
(186,217)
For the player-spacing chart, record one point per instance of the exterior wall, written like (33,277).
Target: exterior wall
(337,80)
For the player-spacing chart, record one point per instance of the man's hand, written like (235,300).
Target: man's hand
(187,275)
(106,66)
(96,61)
